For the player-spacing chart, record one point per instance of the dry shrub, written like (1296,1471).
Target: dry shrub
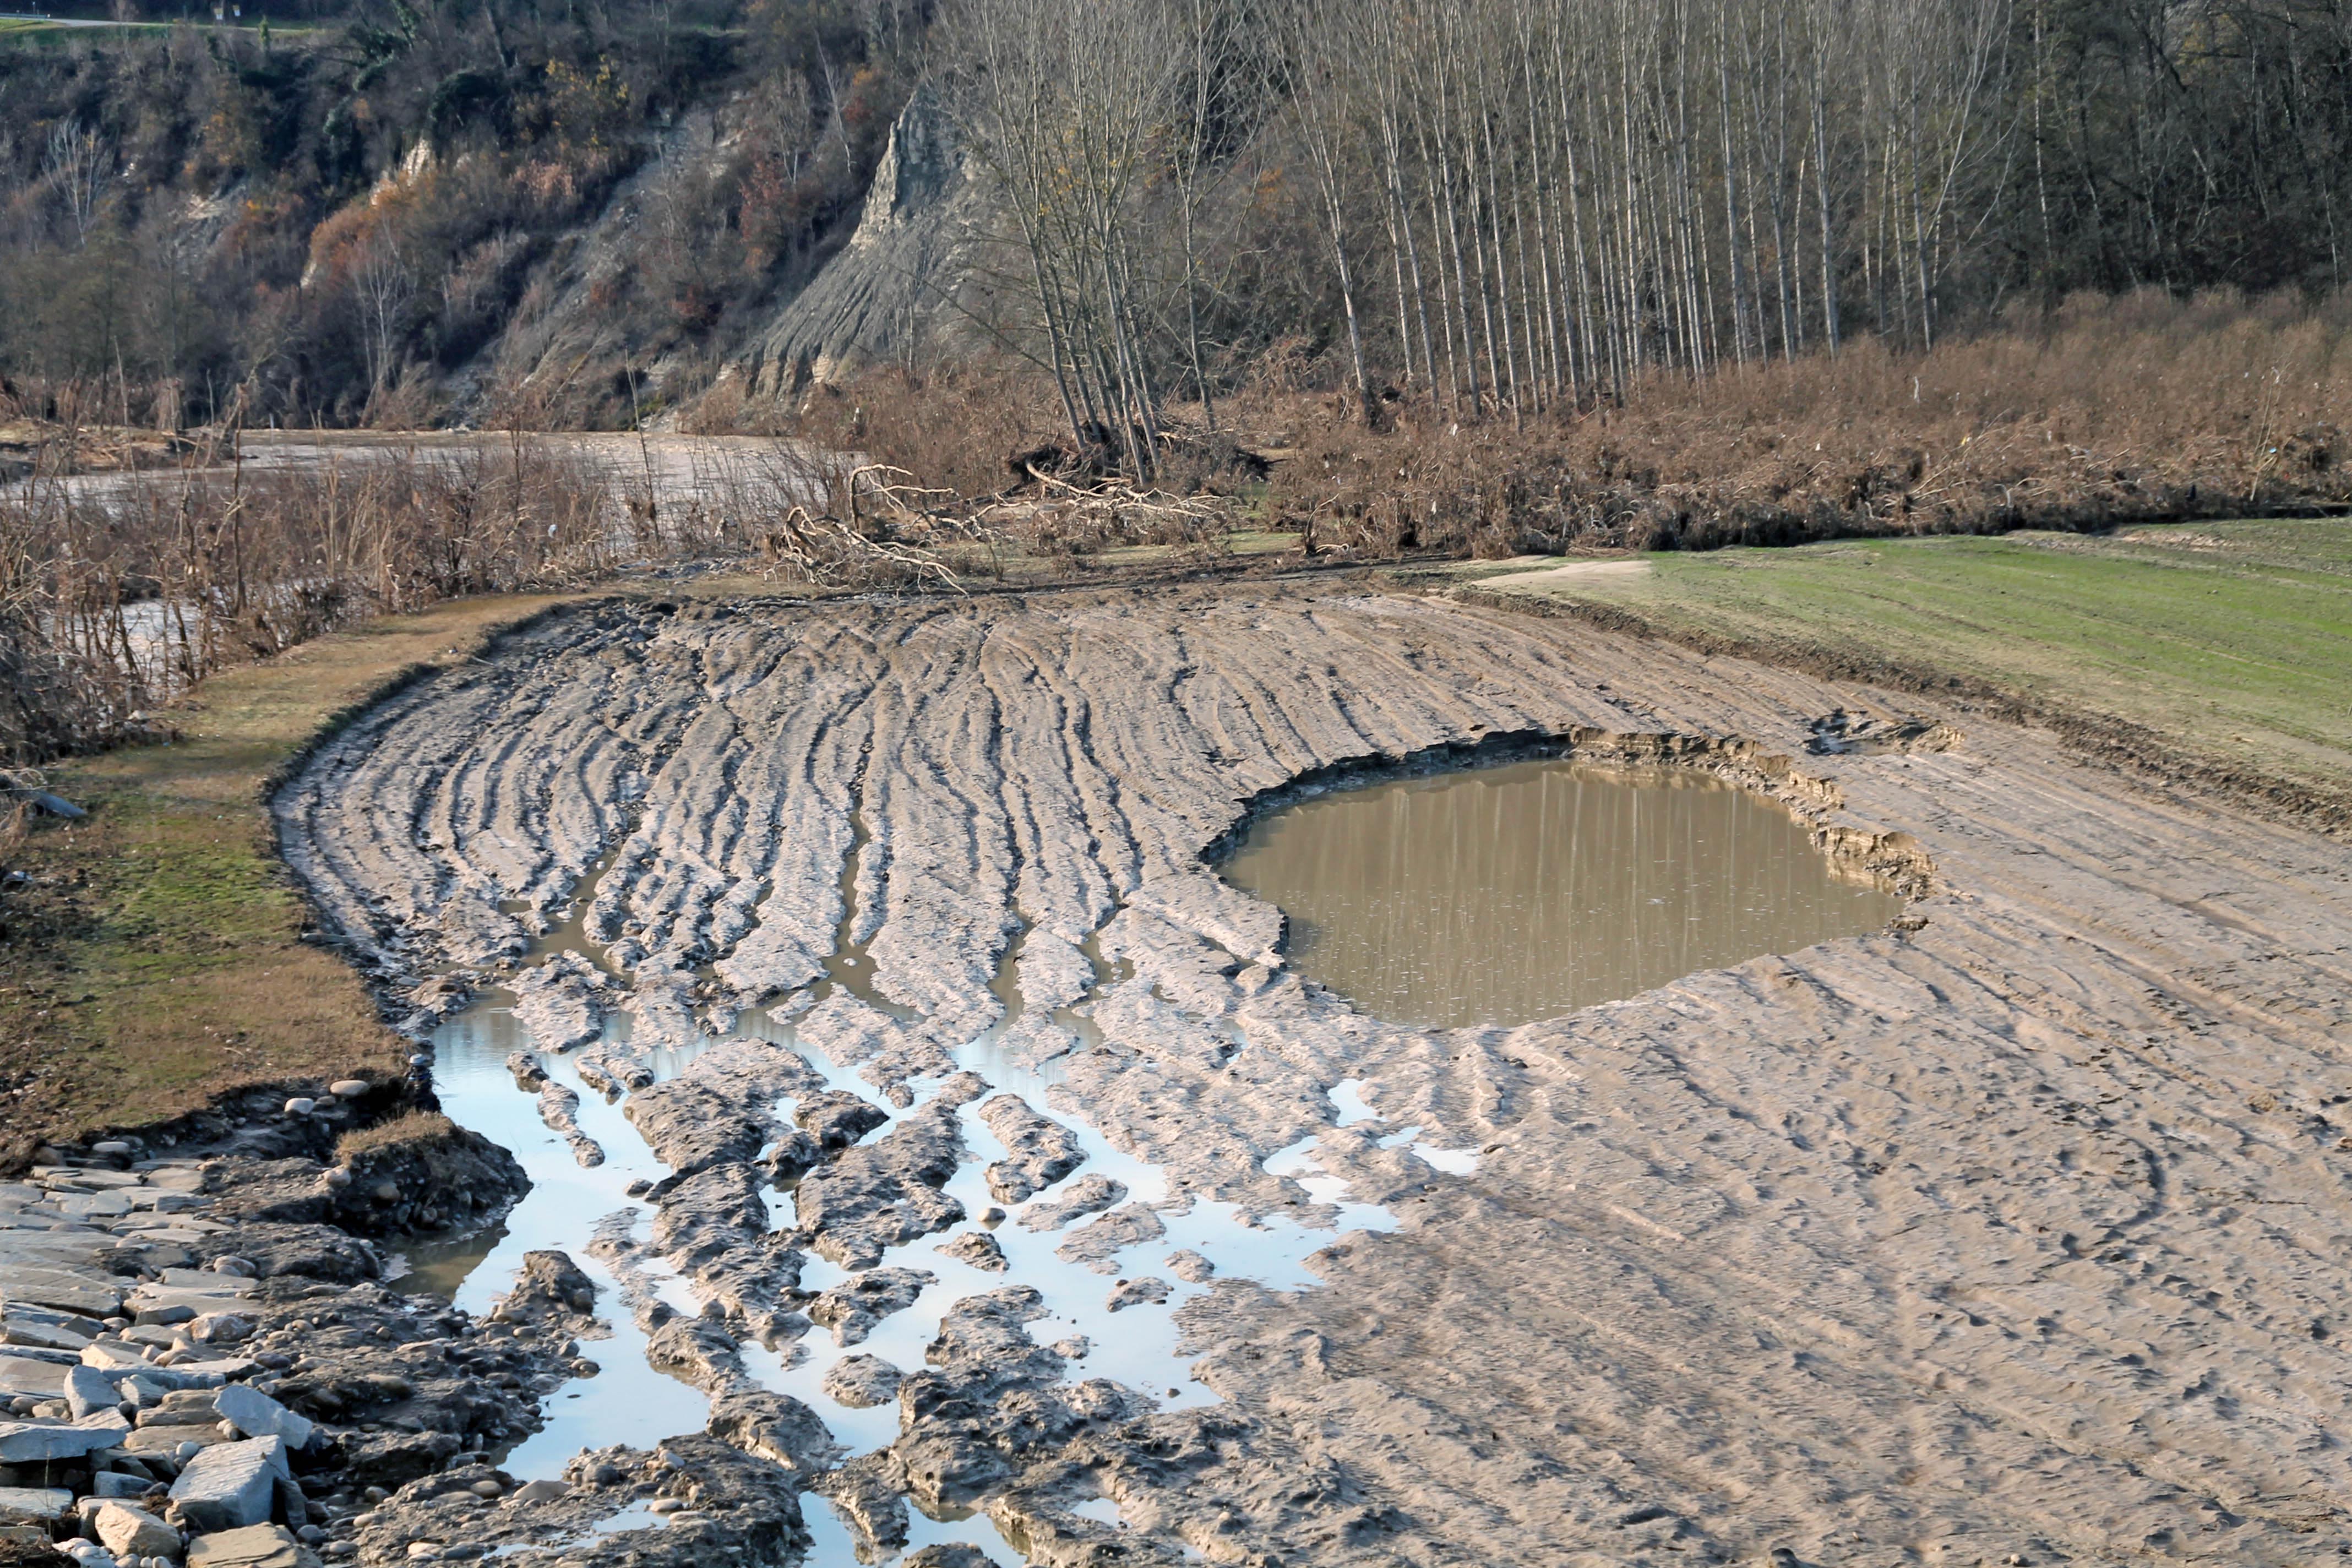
(116,597)
(2102,411)
(2108,411)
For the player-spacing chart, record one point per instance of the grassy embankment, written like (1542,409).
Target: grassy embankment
(155,958)
(2216,651)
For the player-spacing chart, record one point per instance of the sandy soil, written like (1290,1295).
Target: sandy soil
(2021,1236)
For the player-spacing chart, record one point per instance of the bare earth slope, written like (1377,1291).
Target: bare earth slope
(2024,1233)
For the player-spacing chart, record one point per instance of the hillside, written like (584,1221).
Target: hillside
(418,215)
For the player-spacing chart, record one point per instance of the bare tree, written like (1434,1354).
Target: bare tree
(77,165)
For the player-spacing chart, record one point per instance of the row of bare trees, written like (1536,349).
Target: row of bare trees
(1523,203)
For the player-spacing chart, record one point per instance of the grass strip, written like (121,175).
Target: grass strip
(154,955)
(2220,651)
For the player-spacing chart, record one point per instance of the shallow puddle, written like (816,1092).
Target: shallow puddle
(1515,893)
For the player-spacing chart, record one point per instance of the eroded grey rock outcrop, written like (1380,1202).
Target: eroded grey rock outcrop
(887,297)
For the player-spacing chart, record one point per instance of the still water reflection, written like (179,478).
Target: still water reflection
(1523,892)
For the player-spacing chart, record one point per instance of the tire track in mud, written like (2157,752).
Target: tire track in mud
(2012,1235)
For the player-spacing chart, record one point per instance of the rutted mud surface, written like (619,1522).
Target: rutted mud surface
(2016,1233)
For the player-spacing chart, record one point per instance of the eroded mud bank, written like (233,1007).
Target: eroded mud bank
(2013,1233)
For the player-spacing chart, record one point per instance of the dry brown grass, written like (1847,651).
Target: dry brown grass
(409,1128)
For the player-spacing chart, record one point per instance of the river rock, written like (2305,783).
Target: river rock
(349,1088)
(28,1376)
(129,1531)
(43,1328)
(231,1486)
(1040,1151)
(61,1291)
(256,1415)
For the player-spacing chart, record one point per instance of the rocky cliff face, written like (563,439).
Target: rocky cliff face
(889,295)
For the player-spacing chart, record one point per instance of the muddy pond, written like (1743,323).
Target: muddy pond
(1529,891)
(1496,896)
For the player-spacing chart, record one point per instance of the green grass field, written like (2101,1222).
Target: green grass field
(2232,639)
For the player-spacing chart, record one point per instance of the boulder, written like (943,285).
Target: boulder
(129,1531)
(230,1486)
(254,1546)
(256,1415)
(88,1393)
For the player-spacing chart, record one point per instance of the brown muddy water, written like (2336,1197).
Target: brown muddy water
(1526,891)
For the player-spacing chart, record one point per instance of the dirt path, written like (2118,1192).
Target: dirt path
(2013,1238)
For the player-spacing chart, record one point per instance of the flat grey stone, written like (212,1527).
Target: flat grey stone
(230,1486)
(37,1442)
(34,1505)
(253,1546)
(65,1291)
(256,1415)
(23,1375)
(45,1328)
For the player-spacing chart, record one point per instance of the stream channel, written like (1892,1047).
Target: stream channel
(1576,884)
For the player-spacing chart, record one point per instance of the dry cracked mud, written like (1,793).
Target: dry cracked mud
(2020,1234)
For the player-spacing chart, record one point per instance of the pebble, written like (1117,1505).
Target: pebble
(347,1087)
(300,1105)
(111,1146)
(487,1489)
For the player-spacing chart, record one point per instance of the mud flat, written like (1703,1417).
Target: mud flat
(2010,1233)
